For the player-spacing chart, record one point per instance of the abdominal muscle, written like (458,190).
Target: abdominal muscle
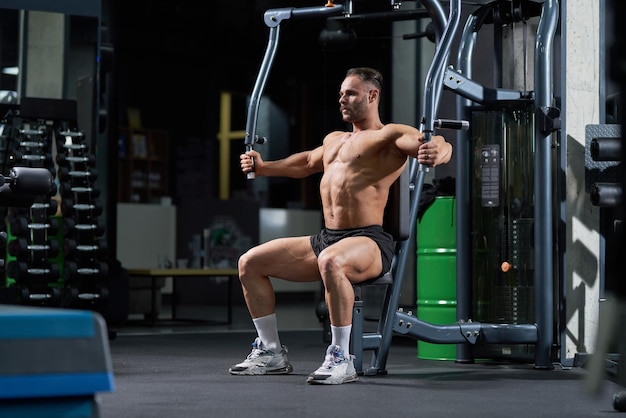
(348,200)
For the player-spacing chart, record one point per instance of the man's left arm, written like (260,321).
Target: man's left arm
(410,140)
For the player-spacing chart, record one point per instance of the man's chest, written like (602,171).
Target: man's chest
(352,151)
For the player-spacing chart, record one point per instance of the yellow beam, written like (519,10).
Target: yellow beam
(225,135)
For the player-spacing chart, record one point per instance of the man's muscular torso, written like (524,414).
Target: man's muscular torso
(359,168)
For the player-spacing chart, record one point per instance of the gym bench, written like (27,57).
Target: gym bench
(177,274)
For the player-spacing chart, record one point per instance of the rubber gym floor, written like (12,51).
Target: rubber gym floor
(181,370)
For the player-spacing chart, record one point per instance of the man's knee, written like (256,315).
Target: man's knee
(329,263)
(244,262)
(252,260)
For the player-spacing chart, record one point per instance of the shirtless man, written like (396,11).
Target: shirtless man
(358,169)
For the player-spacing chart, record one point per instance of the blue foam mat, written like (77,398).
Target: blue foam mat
(41,385)
(57,407)
(17,322)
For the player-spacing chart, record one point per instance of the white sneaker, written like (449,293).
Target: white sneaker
(336,369)
(263,361)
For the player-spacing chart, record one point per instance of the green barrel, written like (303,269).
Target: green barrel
(436,273)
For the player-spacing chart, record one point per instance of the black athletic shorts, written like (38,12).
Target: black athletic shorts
(384,240)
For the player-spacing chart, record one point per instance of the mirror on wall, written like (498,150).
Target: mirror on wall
(47,54)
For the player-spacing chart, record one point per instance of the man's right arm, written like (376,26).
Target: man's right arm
(298,165)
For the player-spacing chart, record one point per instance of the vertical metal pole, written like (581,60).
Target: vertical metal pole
(544,269)
(463,154)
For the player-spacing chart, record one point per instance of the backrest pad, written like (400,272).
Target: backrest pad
(396,219)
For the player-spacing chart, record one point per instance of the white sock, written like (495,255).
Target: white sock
(267,329)
(341,336)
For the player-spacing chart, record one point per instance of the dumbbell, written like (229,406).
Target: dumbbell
(606,149)
(67,174)
(19,156)
(19,246)
(606,194)
(70,247)
(20,226)
(63,159)
(50,296)
(20,270)
(68,207)
(76,147)
(32,144)
(71,135)
(72,271)
(51,207)
(67,190)
(29,180)
(73,296)
(31,132)
(70,227)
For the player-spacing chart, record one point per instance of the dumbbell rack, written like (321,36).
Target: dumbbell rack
(33,268)
(85,270)
(54,252)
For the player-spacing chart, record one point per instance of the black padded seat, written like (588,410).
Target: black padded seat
(385,279)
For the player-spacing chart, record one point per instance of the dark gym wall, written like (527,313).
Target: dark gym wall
(173,58)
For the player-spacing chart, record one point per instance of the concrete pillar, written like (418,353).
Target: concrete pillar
(581,67)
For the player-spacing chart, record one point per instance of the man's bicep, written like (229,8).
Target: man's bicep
(409,140)
(316,158)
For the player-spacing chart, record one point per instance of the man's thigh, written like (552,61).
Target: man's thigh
(290,258)
(359,257)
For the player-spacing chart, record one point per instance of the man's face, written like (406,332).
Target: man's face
(353,99)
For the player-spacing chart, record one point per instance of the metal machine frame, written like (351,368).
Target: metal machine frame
(464,332)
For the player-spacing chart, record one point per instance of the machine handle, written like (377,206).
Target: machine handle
(459,125)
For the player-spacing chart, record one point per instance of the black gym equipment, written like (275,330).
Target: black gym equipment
(23,184)
(465,332)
